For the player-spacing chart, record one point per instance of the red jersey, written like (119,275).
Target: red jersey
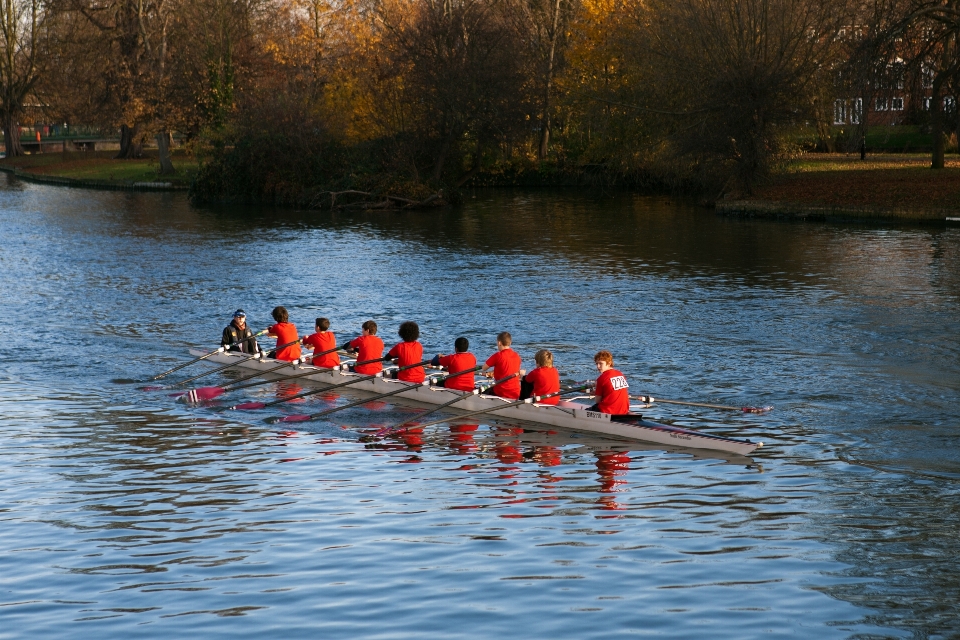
(409,353)
(545,380)
(458,362)
(286,332)
(323,341)
(370,347)
(613,394)
(504,363)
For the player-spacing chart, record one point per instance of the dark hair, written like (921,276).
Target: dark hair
(280,314)
(409,331)
(461,344)
(323,324)
(504,338)
(370,326)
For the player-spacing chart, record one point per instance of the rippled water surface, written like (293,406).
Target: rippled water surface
(125,513)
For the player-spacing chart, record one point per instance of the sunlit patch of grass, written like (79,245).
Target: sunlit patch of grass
(101,166)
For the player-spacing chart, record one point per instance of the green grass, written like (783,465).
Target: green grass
(101,166)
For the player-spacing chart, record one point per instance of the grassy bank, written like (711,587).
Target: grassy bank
(896,186)
(99,166)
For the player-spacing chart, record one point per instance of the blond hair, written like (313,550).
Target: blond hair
(543,358)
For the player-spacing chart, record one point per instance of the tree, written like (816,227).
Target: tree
(21,63)
(732,75)
(457,69)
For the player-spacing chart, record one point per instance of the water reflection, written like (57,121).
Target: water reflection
(155,516)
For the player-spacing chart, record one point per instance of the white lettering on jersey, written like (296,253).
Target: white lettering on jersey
(619,382)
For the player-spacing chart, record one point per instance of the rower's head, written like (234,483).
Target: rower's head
(369,328)
(543,358)
(322,325)
(239,318)
(280,314)
(603,360)
(504,340)
(409,331)
(461,345)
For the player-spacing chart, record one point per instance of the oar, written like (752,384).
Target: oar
(314,416)
(204,357)
(388,431)
(247,406)
(232,364)
(530,400)
(209,393)
(651,399)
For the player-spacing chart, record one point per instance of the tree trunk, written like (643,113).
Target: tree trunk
(130,147)
(11,137)
(163,145)
(545,119)
(936,123)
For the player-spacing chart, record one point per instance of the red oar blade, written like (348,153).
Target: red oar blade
(248,406)
(757,409)
(201,394)
(294,418)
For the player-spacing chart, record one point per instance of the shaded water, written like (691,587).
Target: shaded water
(123,512)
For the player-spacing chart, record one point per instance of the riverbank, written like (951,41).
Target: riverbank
(828,186)
(98,170)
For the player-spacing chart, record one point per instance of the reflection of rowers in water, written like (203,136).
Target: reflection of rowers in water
(612,466)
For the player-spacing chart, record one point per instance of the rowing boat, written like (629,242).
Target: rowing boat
(566,414)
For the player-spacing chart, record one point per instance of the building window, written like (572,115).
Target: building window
(948,103)
(856,111)
(926,104)
(882,104)
(840,112)
(896,104)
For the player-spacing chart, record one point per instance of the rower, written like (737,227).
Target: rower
(459,361)
(323,340)
(236,331)
(542,380)
(408,352)
(611,390)
(505,362)
(368,347)
(285,332)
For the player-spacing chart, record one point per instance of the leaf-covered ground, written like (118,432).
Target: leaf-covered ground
(882,181)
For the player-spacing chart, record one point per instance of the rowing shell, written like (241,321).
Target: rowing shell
(566,414)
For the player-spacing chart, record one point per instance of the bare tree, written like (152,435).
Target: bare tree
(21,63)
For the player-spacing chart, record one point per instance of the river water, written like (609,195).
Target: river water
(124,512)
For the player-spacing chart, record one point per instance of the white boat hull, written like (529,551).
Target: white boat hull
(566,415)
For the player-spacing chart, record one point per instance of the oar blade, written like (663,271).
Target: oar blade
(757,409)
(201,394)
(249,406)
(294,418)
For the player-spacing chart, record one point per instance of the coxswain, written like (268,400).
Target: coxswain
(368,347)
(611,389)
(236,331)
(541,381)
(505,362)
(459,361)
(323,340)
(285,332)
(408,352)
